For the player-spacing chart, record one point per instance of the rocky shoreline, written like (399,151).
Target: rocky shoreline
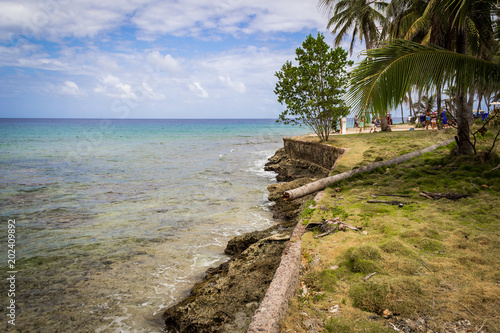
(229,294)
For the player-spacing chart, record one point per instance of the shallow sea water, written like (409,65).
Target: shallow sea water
(117,219)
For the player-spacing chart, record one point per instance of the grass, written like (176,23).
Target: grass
(435,260)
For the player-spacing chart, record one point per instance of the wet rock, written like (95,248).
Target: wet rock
(240,243)
(228,296)
(220,302)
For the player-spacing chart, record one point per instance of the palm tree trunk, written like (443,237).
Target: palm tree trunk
(464,112)
(419,100)
(470,103)
(402,116)
(411,103)
(384,124)
(324,182)
(464,121)
(368,42)
(438,98)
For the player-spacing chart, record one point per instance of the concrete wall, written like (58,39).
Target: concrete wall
(314,152)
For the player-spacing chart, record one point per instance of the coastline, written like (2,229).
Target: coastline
(228,296)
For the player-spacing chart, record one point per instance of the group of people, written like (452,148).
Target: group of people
(376,122)
(431,119)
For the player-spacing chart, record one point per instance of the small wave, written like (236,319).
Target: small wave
(258,169)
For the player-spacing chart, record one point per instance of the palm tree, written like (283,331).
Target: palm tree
(427,102)
(388,73)
(414,21)
(356,17)
(451,92)
(469,27)
(400,17)
(408,100)
(359,18)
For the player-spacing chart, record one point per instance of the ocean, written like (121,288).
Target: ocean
(115,220)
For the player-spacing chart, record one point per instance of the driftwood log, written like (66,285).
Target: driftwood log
(450,196)
(327,227)
(392,202)
(323,183)
(394,195)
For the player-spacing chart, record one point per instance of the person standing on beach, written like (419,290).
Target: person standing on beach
(433,120)
(356,125)
(427,118)
(445,120)
(389,119)
(361,124)
(374,125)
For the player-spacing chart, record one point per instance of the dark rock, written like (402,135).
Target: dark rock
(240,243)
(220,302)
(228,296)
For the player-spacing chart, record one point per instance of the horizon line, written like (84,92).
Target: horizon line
(75,118)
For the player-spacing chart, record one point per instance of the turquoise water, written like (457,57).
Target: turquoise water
(117,219)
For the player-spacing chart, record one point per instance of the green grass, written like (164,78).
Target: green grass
(434,258)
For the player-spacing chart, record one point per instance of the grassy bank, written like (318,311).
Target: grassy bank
(436,261)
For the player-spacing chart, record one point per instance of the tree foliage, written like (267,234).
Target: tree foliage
(385,76)
(312,91)
(357,18)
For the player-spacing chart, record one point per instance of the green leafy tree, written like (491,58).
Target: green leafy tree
(313,90)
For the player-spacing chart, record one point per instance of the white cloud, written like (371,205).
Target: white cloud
(14,18)
(56,19)
(196,18)
(196,88)
(236,86)
(165,63)
(128,49)
(112,86)
(70,88)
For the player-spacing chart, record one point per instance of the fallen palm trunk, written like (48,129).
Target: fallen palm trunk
(323,183)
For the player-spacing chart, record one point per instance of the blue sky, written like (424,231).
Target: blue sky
(149,58)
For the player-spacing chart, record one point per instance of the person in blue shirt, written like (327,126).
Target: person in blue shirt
(445,120)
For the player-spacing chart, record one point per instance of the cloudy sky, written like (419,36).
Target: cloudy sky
(148,58)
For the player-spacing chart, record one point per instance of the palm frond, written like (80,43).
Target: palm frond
(421,24)
(388,73)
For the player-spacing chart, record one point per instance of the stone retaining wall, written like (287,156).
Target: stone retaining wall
(313,152)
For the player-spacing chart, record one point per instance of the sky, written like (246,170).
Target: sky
(149,58)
